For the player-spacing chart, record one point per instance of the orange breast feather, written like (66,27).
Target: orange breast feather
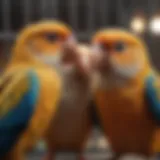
(126,120)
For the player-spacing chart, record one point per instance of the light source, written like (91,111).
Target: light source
(154,25)
(138,24)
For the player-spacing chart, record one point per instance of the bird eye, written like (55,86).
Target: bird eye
(119,47)
(52,37)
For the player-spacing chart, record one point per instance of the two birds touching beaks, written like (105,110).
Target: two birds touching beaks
(47,87)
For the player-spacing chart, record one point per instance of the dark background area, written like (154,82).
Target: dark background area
(85,17)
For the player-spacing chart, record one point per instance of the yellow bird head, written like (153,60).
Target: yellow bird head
(40,42)
(121,53)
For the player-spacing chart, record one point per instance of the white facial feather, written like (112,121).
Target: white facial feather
(128,71)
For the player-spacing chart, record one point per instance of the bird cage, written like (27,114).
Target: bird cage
(84,16)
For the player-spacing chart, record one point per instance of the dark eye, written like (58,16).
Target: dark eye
(52,37)
(119,47)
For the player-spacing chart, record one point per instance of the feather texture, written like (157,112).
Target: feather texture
(152,91)
(23,93)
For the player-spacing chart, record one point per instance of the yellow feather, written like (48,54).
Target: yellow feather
(50,86)
(13,91)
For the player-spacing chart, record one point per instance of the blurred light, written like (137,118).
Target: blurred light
(155,25)
(138,24)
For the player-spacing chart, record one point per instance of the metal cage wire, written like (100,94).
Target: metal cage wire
(84,16)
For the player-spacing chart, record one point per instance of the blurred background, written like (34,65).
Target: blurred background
(85,17)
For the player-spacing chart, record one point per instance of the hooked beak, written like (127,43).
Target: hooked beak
(69,50)
(69,45)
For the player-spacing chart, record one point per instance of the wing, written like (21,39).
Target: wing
(18,96)
(152,90)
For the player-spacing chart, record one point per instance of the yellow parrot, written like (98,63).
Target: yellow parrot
(72,124)
(30,88)
(128,94)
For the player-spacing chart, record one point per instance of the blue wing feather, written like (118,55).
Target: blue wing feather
(14,122)
(153,97)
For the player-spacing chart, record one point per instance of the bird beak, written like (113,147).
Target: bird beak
(97,55)
(69,52)
(71,40)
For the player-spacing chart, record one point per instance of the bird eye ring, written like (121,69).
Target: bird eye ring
(51,37)
(119,46)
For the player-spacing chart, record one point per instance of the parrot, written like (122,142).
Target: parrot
(30,88)
(72,123)
(127,97)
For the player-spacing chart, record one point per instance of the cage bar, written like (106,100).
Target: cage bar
(43,5)
(6,15)
(27,11)
(54,7)
(90,21)
(104,12)
(73,15)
